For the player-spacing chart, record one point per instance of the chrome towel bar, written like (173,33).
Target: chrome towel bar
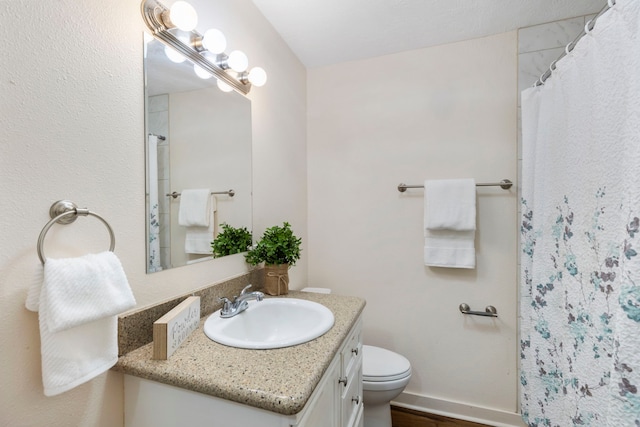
(505,184)
(65,212)
(175,194)
(160,137)
(489,311)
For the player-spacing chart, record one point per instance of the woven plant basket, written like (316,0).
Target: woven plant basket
(276,281)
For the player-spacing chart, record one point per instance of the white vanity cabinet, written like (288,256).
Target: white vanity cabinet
(335,402)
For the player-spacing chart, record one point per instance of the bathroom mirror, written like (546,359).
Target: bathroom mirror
(197,137)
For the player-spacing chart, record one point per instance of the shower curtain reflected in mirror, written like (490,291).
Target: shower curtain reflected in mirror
(153,233)
(580,274)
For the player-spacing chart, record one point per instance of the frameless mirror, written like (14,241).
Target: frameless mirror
(198,137)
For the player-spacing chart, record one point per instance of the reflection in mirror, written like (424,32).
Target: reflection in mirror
(198,137)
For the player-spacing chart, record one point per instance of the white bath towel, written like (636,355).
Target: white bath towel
(195,208)
(197,214)
(78,301)
(450,223)
(450,204)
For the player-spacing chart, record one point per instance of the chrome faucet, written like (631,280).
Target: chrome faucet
(239,303)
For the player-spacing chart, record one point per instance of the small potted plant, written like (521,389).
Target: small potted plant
(231,241)
(279,249)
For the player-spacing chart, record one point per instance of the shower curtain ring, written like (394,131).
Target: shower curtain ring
(542,79)
(611,3)
(568,48)
(588,27)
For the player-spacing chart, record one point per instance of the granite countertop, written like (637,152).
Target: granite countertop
(278,380)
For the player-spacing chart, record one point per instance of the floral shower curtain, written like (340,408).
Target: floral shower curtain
(580,231)
(153,234)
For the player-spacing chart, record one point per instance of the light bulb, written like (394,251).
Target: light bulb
(224,87)
(201,72)
(183,16)
(257,76)
(214,41)
(238,61)
(174,55)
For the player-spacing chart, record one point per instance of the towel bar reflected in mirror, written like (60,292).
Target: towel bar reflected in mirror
(175,194)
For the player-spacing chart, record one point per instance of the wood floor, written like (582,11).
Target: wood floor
(402,417)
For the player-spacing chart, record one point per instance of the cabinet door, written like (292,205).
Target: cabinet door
(325,409)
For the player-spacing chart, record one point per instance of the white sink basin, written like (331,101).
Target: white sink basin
(271,323)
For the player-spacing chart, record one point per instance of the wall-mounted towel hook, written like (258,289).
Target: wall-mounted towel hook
(65,212)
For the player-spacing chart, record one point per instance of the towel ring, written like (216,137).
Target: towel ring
(65,212)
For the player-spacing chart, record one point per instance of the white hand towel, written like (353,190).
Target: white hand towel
(450,223)
(77,303)
(198,238)
(195,208)
(450,204)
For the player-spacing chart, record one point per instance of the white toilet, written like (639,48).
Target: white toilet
(384,375)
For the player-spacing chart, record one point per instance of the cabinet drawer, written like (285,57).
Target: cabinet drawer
(352,396)
(352,352)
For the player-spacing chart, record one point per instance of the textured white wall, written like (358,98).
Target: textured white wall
(436,113)
(71,120)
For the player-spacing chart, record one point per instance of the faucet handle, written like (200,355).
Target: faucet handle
(226,303)
(244,290)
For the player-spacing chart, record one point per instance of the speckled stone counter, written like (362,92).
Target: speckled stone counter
(279,380)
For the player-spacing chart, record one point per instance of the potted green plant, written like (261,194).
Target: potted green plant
(231,241)
(279,249)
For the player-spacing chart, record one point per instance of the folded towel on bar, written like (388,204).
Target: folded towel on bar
(77,303)
(199,232)
(450,223)
(195,208)
(450,204)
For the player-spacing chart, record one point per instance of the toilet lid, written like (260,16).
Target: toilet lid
(379,364)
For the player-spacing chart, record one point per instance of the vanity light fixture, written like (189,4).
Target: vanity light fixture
(257,76)
(175,25)
(214,41)
(223,86)
(201,72)
(181,15)
(174,55)
(238,61)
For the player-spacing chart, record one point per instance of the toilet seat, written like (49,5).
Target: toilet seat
(382,365)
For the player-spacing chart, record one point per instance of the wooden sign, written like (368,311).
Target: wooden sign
(173,328)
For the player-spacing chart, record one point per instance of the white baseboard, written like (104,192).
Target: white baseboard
(461,411)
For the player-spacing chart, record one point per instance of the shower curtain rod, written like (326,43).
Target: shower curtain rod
(587,28)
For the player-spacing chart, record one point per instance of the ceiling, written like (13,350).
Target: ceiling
(324,32)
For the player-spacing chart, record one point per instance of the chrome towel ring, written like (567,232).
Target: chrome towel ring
(65,212)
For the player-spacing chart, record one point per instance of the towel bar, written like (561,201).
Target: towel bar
(65,212)
(489,311)
(505,184)
(175,194)
(160,137)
